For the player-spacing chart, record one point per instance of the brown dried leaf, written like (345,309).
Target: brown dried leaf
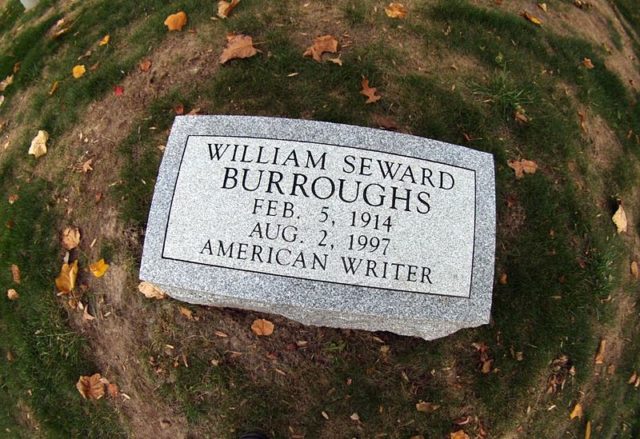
(85,314)
(225,8)
(238,46)
(520,116)
(70,237)
(385,122)
(86,166)
(620,219)
(395,10)
(186,312)
(587,430)
(426,407)
(91,387)
(145,65)
(15,273)
(151,291)
(602,346)
(522,167)
(543,6)
(503,279)
(323,44)
(175,22)
(262,327)
(13,198)
(6,82)
(583,124)
(460,434)
(113,390)
(586,62)
(634,269)
(369,92)
(54,87)
(66,280)
(13,294)
(633,378)
(576,412)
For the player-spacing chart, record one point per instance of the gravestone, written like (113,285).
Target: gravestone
(326,224)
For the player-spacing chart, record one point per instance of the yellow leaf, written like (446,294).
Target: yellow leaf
(576,412)
(66,280)
(238,46)
(38,146)
(522,167)
(543,6)
(186,312)
(620,219)
(70,237)
(599,359)
(104,41)
(532,18)
(395,10)
(54,88)
(262,327)
(6,82)
(98,269)
(369,92)
(587,430)
(460,434)
(13,294)
(587,63)
(225,8)
(426,407)
(15,273)
(176,21)
(91,387)
(78,71)
(634,269)
(325,43)
(150,291)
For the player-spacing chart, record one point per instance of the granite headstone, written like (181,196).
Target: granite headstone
(326,224)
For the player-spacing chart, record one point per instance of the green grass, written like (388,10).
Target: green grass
(48,356)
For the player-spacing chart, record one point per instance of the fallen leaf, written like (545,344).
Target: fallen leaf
(522,167)
(194,111)
(323,44)
(262,327)
(38,146)
(98,269)
(1,101)
(145,65)
(53,88)
(78,71)
(86,166)
(503,279)
(486,366)
(583,121)
(532,18)
(66,280)
(602,346)
(543,6)
(385,122)
(426,407)
(225,8)
(91,387)
(70,237)
(620,219)
(633,378)
(520,116)
(150,291)
(587,63)
(118,90)
(355,417)
(176,21)
(16,67)
(587,430)
(179,109)
(186,312)
(369,92)
(634,269)
(15,273)
(576,412)
(221,334)
(85,314)
(104,41)
(238,46)
(336,60)
(13,294)
(325,415)
(6,82)
(395,10)
(13,198)
(460,434)
(113,390)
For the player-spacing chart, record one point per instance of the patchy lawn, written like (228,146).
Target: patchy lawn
(459,71)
